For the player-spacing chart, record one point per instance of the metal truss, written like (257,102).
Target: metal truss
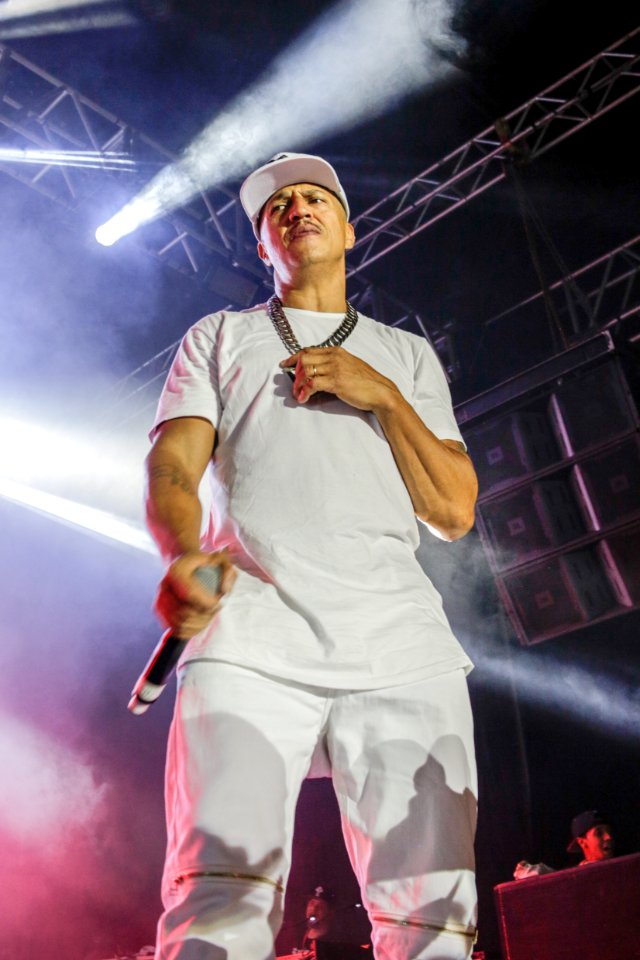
(602,293)
(39,110)
(592,90)
(210,233)
(202,240)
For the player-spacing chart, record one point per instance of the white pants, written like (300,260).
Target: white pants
(403,770)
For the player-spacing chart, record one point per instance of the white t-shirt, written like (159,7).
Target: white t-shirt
(310,503)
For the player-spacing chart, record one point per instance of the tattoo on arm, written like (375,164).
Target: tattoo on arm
(175,476)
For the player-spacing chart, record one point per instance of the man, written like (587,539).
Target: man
(326,646)
(590,833)
(319,916)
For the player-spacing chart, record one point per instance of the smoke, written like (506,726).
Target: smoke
(592,698)
(81,820)
(42,462)
(355,63)
(45,790)
(594,694)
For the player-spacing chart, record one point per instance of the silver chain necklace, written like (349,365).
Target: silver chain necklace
(288,337)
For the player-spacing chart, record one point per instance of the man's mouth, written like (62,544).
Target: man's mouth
(302,230)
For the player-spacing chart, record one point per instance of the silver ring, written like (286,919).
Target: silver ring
(315,370)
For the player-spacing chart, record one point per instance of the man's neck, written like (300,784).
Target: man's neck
(324,297)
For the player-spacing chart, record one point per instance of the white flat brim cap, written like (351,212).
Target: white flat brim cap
(281,171)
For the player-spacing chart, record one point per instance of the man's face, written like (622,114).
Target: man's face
(597,843)
(302,225)
(318,913)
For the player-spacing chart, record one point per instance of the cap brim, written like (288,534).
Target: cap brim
(303,168)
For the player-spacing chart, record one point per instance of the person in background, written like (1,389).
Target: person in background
(590,833)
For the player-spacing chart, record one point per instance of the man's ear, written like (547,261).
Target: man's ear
(262,253)
(350,236)
(582,842)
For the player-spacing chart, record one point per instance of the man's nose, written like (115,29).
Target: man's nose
(298,208)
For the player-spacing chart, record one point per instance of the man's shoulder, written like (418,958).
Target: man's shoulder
(414,343)
(212,322)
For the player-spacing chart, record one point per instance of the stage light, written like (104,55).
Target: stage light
(14,9)
(86,159)
(36,460)
(34,18)
(568,689)
(127,220)
(357,61)
(79,515)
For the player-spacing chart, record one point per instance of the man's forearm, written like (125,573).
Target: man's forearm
(174,512)
(440,480)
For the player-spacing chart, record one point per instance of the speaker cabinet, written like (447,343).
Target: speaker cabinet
(557,453)
(607,485)
(512,447)
(560,594)
(620,554)
(591,408)
(585,913)
(524,524)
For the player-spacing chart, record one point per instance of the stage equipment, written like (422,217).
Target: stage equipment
(594,88)
(81,159)
(44,111)
(584,913)
(597,86)
(362,75)
(209,240)
(588,298)
(557,451)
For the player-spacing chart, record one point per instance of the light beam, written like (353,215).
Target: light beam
(592,698)
(359,60)
(33,18)
(90,519)
(87,159)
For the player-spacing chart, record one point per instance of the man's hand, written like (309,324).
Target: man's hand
(182,602)
(438,474)
(525,869)
(334,370)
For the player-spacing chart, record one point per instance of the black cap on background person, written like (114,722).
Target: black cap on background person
(591,834)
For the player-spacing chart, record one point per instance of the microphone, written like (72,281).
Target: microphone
(155,675)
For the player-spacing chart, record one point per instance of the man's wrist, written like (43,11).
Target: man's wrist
(176,551)
(388,402)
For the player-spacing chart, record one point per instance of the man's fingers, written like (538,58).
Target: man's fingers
(188,591)
(185,618)
(312,375)
(228,577)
